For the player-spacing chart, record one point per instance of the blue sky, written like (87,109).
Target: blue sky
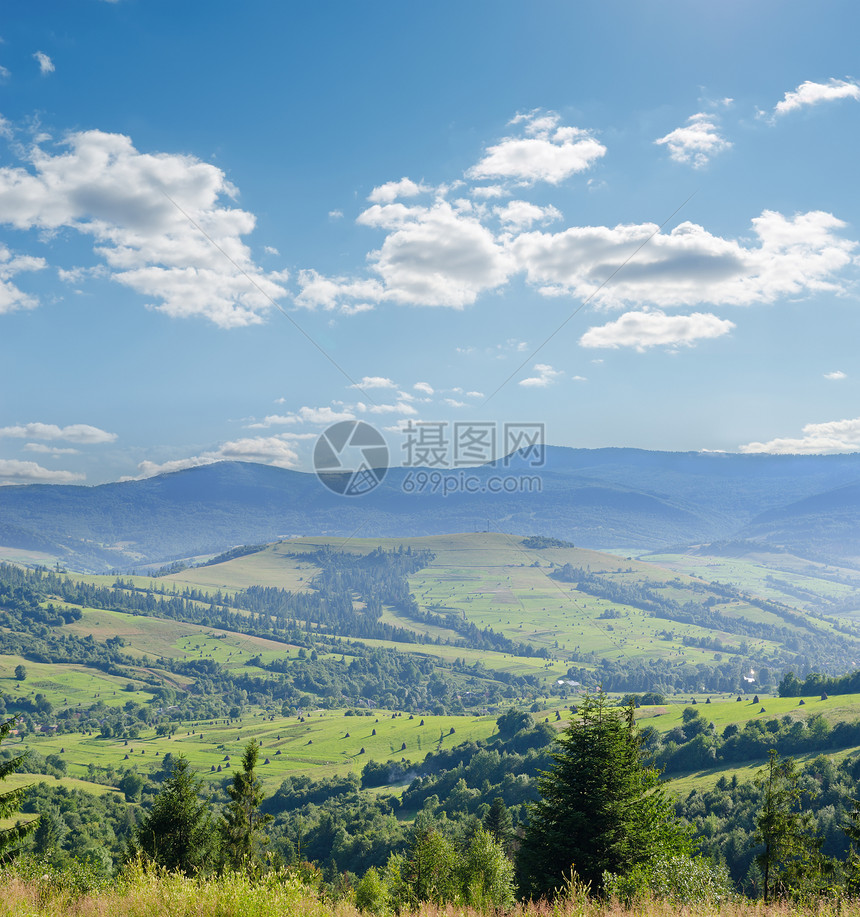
(224,226)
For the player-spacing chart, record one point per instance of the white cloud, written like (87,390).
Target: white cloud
(74,433)
(696,142)
(836,376)
(4,73)
(318,291)
(518,215)
(13,471)
(103,187)
(11,297)
(655,329)
(50,450)
(270,250)
(818,438)
(323,415)
(392,190)
(809,93)
(401,407)
(545,152)
(434,256)
(335,214)
(486,192)
(423,387)
(453,403)
(546,375)
(46,65)
(791,256)
(264,450)
(374,382)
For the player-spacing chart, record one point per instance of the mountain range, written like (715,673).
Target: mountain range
(600,498)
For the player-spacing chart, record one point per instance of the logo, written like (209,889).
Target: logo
(351,458)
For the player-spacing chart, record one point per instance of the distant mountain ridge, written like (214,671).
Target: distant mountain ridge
(600,498)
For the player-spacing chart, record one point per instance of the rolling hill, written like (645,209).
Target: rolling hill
(609,499)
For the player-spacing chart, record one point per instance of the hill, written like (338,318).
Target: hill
(605,499)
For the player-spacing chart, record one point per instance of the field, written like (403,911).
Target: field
(325,742)
(491,580)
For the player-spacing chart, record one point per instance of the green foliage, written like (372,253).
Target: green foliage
(487,875)
(499,823)
(791,858)
(243,822)
(679,879)
(440,870)
(10,802)
(178,833)
(601,809)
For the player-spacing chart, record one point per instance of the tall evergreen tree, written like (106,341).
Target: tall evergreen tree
(498,822)
(601,809)
(10,802)
(791,855)
(178,833)
(243,822)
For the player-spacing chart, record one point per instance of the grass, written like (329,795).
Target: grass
(235,895)
(289,745)
(492,580)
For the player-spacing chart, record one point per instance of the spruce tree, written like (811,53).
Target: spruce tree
(601,809)
(498,822)
(178,833)
(243,821)
(791,857)
(10,802)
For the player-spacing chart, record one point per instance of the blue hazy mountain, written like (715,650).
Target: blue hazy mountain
(600,498)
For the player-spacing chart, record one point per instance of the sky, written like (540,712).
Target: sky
(224,227)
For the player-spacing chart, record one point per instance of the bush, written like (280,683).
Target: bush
(679,879)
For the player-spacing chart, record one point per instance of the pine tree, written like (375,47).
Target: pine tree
(791,854)
(178,833)
(243,821)
(601,809)
(498,822)
(10,802)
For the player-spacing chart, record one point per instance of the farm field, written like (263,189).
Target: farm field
(322,743)
(493,581)
(783,577)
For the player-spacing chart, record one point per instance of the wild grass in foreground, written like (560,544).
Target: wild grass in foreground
(158,894)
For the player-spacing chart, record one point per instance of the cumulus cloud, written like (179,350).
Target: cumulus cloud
(545,151)
(328,293)
(11,297)
(140,209)
(433,256)
(818,438)
(374,382)
(50,450)
(73,433)
(518,215)
(546,375)
(46,65)
(324,415)
(809,93)
(836,375)
(423,387)
(392,190)
(791,256)
(13,471)
(655,329)
(696,142)
(264,450)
